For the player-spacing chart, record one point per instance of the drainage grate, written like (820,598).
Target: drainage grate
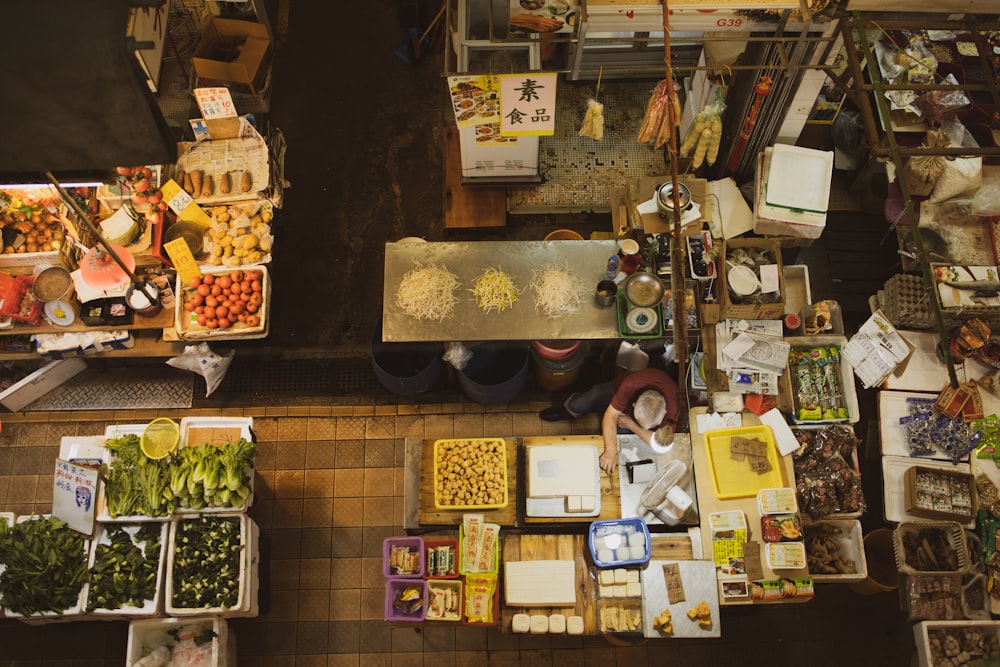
(300,377)
(120,389)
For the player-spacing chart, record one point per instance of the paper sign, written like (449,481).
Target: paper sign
(528,104)
(675,586)
(475,100)
(215,103)
(74,495)
(181,203)
(783,436)
(751,560)
(180,254)
(769,278)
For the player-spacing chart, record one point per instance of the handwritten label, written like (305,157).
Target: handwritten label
(751,560)
(180,254)
(74,495)
(215,103)
(675,586)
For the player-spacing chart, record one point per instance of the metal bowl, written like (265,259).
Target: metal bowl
(192,233)
(643,290)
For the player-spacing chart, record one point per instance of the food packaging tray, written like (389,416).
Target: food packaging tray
(151,607)
(956,538)
(145,635)
(245,587)
(395,584)
(734,479)
(413,544)
(76,609)
(623,529)
(502,472)
(918,507)
(850,543)
(432,542)
(188,329)
(894,486)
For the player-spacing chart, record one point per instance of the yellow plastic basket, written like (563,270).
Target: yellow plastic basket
(160,437)
(440,446)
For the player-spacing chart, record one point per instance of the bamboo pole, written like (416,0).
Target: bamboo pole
(677,253)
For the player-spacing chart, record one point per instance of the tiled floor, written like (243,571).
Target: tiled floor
(329,490)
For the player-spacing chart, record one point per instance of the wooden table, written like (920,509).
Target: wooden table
(611,506)
(709,503)
(422,488)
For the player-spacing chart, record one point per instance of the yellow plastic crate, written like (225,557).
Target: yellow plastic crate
(443,445)
(734,479)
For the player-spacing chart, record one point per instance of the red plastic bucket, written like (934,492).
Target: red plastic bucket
(555,350)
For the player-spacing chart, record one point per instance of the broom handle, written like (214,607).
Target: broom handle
(437,17)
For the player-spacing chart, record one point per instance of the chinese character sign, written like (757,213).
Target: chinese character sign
(528,104)
(215,103)
(74,495)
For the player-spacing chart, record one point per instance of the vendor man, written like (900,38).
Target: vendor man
(641,402)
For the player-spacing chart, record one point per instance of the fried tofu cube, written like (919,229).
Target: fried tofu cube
(703,610)
(692,613)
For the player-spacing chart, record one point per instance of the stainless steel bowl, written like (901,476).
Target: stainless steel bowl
(643,290)
(665,198)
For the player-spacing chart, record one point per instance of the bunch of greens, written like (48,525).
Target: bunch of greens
(45,566)
(206,563)
(134,484)
(124,573)
(210,476)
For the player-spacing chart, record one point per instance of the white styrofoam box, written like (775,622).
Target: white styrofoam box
(847,387)
(103,516)
(151,607)
(922,632)
(146,635)
(242,601)
(250,606)
(83,449)
(76,609)
(850,543)
(119,430)
(798,292)
(894,484)
(37,384)
(245,424)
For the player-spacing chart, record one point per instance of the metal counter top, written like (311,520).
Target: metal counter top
(588,259)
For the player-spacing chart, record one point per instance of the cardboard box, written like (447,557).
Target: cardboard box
(930,494)
(233,53)
(39,383)
(751,311)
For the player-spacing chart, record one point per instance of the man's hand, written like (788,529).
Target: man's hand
(609,460)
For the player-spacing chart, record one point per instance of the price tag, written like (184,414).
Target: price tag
(74,495)
(180,254)
(751,560)
(215,103)
(675,587)
(181,203)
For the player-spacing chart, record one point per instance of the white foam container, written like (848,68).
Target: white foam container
(103,516)
(146,635)
(246,604)
(245,424)
(850,543)
(6,518)
(921,634)
(151,607)
(49,616)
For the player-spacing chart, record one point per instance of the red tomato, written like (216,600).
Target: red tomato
(225,282)
(189,306)
(198,300)
(234,288)
(155,198)
(202,320)
(252,307)
(212,323)
(253,321)
(257,286)
(221,312)
(199,309)
(236,276)
(244,298)
(242,317)
(210,311)
(237,307)
(208,278)
(194,283)
(256,299)
(211,301)
(204,289)
(147,172)
(252,275)
(224,323)
(142,185)
(246,286)
(216,289)
(123,171)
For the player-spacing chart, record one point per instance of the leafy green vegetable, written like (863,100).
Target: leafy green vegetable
(123,573)
(135,485)
(206,563)
(210,476)
(45,566)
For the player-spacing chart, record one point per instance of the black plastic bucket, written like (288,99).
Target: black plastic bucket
(495,374)
(406,369)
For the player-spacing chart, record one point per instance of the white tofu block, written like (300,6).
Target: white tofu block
(557,624)
(621,590)
(606,577)
(588,503)
(520,623)
(632,576)
(637,552)
(574,504)
(638,538)
(539,624)
(605,555)
(540,583)
(621,575)
(633,590)
(606,591)
(574,625)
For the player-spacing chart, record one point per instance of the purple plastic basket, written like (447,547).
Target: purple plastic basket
(411,543)
(396,584)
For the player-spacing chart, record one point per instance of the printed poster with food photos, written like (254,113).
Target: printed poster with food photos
(528,104)
(542,16)
(475,99)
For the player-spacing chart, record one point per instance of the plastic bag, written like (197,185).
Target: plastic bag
(920,63)
(457,355)
(202,360)
(826,483)
(936,104)
(986,201)
(593,121)
(960,175)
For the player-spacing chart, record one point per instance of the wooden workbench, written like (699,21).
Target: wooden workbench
(709,503)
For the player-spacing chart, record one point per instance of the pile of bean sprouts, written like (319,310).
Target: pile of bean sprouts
(495,290)
(428,292)
(558,291)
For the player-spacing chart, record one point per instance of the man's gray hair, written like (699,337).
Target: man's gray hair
(650,409)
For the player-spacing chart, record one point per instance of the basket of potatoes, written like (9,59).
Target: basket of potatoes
(31,233)
(239,235)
